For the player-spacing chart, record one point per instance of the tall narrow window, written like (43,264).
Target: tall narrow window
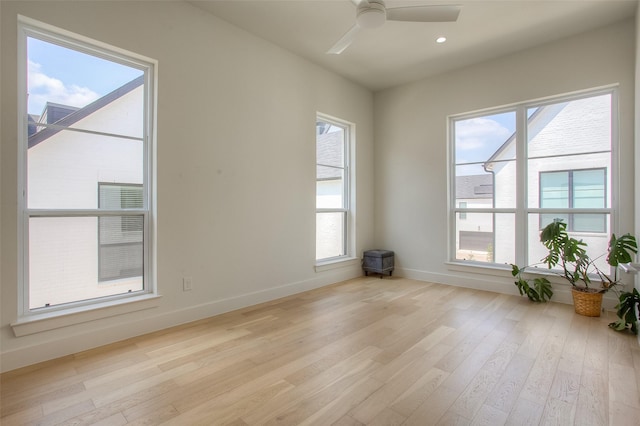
(332,183)
(86,168)
(519,169)
(483,232)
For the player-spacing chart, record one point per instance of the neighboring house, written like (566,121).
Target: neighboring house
(475,230)
(95,171)
(569,158)
(51,114)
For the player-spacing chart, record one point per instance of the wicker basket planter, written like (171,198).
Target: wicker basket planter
(588,304)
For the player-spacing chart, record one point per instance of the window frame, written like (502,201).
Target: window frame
(346,209)
(32,318)
(522,209)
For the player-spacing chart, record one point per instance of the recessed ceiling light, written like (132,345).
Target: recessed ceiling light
(441,39)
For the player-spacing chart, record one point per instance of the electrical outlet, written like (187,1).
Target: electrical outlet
(187,284)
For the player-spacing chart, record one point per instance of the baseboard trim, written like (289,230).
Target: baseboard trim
(49,350)
(100,336)
(503,285)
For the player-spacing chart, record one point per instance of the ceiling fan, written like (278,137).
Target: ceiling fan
(374,13)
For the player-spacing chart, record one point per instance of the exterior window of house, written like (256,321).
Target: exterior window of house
(575,189)
(516,169)
(332,188)
(120,250)
(463,214)
(87,114)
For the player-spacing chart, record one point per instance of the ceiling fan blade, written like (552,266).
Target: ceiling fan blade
(344,41)
(440,13)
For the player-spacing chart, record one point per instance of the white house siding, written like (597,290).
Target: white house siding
(474,192)
(63,173)
(505,197)
(474,222)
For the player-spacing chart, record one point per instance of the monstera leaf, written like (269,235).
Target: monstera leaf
(626,311)
(539,290)
(553,237)
(562,247)
(542,287)
(620,249)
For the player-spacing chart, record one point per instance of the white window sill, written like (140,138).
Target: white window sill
(342,262)
(478,268)
(497,270)
(502,270)
(36,323)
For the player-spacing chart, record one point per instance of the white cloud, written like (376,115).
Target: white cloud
(43,89)
(481,132)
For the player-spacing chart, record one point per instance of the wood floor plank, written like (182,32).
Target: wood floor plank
(596,356)
(334,402)
(489,416)
(348,372)
(482,385)
(558,412)
(347,421)
(392,389)
(22,417)
(387,417)
(623,415)
(505,393)
(433,408)
(542,373)
(593,399)
(232,412)
(364,352)
(419,392)
(623,388)
(525,413)
(461,377)
(159,415)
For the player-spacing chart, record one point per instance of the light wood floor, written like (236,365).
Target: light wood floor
(367,351)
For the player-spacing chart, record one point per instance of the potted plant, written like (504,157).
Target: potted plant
(575,265)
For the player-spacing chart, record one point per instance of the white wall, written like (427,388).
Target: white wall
(637,135)
(236,119)
(411,140)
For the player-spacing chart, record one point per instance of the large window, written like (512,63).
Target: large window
(517,169)
(332,188)
(86,169)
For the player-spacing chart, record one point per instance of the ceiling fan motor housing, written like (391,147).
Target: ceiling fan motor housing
(371,15)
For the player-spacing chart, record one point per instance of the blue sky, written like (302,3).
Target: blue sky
(68,77)
(478,138)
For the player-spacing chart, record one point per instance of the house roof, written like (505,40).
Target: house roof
(81,113)
(329,152)
(53,112)
(474,186)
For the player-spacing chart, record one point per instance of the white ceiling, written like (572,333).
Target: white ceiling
(400,52)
